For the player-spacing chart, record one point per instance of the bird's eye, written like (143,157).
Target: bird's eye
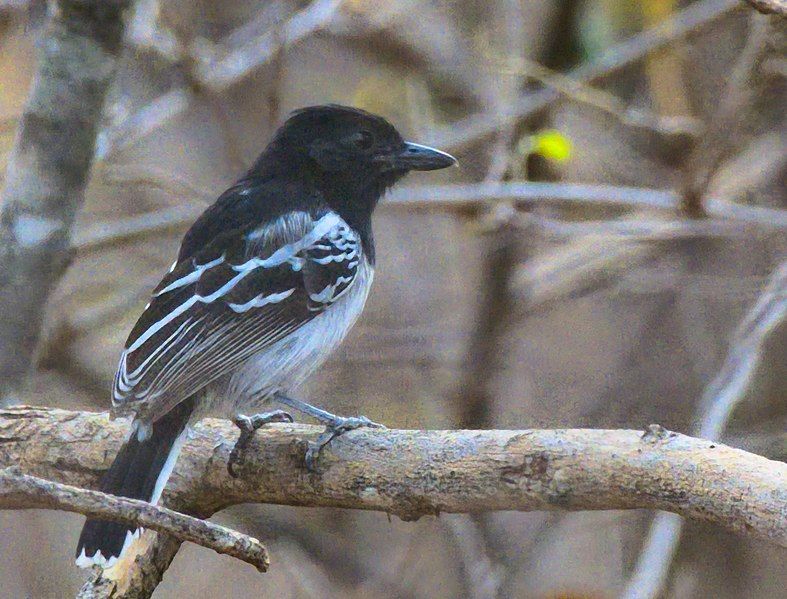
(363,140)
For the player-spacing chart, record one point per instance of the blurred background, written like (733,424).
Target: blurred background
(550,311)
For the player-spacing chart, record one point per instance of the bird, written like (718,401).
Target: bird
(267,283)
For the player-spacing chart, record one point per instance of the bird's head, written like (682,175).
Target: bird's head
(349,153)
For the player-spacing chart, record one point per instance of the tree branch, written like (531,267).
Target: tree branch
(22,492)
(415,473)
(772,7)
(463,197)
(48,170)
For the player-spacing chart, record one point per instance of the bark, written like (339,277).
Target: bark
(415,473)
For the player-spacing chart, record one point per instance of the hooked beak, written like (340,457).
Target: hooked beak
(420,158)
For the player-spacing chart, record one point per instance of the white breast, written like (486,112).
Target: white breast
(288,362)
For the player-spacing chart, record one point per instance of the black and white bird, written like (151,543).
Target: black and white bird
(267,283)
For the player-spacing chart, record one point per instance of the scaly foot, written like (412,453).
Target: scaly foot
(248,425)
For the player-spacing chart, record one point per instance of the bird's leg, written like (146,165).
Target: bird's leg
(334,426)
(247,426)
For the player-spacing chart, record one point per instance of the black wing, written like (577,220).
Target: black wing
(246,290)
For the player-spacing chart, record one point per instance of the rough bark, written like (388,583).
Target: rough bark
(415,473)
(48,170)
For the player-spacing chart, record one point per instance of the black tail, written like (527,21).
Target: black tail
(135,473)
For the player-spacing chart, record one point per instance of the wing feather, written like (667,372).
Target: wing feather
(220,306)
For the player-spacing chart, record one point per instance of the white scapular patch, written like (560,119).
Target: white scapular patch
(287,252)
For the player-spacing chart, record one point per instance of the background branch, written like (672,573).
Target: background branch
(48,170)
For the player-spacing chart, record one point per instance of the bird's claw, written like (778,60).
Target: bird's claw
(248,425)
(333,429)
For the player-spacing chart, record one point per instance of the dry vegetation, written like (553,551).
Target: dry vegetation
(611,254)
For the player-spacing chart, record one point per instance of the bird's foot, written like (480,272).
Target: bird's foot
(334,427)
(248,425)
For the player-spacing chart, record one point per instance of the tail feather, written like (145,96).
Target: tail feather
(140,471)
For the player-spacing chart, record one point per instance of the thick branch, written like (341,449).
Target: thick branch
(414,473)
(21,492)
(48,169)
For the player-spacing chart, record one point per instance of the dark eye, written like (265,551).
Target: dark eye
(363,140)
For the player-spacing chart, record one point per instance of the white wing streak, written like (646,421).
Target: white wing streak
(223,328)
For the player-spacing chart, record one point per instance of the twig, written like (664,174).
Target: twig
(719,399)
(142,123)
(735,104)
(653,565)
(473,196)
(471,129)
(21,492)
(48,170)
(483,575)
(217,68)
(455,197)
(731,384)
(600,99)
(101,235)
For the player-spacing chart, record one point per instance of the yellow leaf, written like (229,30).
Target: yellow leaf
(552,145)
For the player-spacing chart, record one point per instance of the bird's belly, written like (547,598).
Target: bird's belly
(288,362)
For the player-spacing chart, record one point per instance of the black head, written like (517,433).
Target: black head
(352,156)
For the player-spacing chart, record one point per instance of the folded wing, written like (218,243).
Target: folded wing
(246,290)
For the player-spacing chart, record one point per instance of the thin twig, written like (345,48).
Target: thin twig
(217,68)
(722,134)
(471,129)
(605,101)
(458,197)
(142,123)
(21,492)
(474,196)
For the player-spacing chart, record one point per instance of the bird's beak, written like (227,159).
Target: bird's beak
(421,158)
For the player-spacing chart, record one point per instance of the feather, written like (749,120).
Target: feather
(216,309)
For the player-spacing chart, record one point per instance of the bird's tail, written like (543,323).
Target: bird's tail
(140,471)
